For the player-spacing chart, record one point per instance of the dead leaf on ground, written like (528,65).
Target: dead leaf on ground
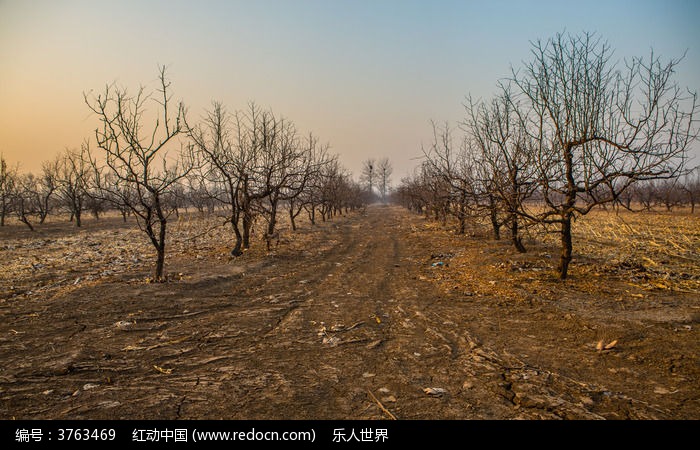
(162,370)
(610,345)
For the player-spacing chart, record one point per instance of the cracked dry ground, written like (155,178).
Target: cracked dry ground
(353,328)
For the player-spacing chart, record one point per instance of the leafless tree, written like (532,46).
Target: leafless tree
(24,199)
(255,134)
(46,186)
(8,178)
(369,175)
(505,156)
(308,172)
(142,163)
(410,193)
(690,185)
(669,193)
(200,191)
(598,127)
(646,193)
(225,163)
(384,171)
(74,176)
(335,188)
(449,172)
(284,169)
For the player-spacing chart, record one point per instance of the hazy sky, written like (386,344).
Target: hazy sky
(367,76)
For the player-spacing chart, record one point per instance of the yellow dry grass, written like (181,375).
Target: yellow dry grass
(619,255)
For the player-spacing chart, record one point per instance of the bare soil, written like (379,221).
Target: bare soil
(373,315)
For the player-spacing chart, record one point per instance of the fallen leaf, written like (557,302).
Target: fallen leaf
(374,344)
(164,371)
(663,390)
(611,345)
(599,345)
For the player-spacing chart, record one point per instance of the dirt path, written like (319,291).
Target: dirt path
(350,329)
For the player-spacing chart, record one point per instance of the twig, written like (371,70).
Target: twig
(151,347)
(353,341)
(178,316)
(388,413)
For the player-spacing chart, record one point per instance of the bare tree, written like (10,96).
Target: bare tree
(24,199)
(598,127)
(646,193)
(255,134)
(32,195)
(8,177)
(449,172)
(369,175)
(690,185)
(308,173)
(333,191)
(46,186)
(384,171)
(410,193)
(142,167)
(74,175)
(227,162)
(669,193)
(506,158)
(283,169)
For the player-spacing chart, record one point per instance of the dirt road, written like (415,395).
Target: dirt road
(351,328)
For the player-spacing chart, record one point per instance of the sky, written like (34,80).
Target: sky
(366,76)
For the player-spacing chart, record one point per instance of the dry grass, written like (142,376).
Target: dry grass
(621,255)
(59,257)
(653,250)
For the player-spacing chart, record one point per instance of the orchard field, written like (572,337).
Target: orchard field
(374,314)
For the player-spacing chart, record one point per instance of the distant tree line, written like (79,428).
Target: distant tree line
(147,160)
(569,131)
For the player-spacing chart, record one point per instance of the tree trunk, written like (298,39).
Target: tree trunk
(462,213)
(247,225)
(160,264)
(160,261)
(462,224)
(273,218)
(24,220)
(515,235)
(496,228)
(236,251)
(493,215)
(566,247)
